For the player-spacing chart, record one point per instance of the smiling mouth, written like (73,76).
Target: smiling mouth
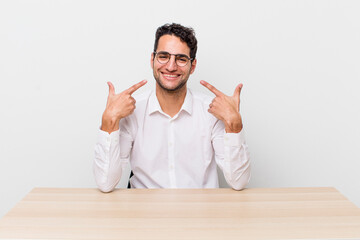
(170,76)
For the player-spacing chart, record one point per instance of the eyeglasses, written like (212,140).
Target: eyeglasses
(180,59)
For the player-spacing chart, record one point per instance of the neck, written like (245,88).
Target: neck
(171,102)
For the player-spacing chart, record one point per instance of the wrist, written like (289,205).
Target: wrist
(233,124)
(109,124)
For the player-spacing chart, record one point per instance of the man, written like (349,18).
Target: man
(172,137)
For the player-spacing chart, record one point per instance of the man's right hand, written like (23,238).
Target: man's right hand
(118,106)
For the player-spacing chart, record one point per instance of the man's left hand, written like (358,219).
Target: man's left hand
(226,108)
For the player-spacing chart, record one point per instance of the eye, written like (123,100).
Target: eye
(163,56)
(182,59)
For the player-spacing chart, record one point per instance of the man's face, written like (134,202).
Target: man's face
(170,76)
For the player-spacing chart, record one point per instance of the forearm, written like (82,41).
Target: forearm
(236,165)
(107,163)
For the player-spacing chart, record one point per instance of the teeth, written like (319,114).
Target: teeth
(167,75)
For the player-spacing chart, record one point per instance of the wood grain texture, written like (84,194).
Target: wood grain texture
(271,213)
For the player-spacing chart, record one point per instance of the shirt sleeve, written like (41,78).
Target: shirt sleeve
(112,154)
(232,156)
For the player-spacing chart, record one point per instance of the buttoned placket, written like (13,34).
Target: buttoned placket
(171,153)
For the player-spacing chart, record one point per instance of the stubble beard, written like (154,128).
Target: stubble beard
(170,90)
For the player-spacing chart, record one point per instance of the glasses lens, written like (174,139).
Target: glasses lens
(182,61)
(163,57)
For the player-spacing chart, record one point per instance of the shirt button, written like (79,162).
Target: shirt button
(171,166)
(170,144)
(107,140)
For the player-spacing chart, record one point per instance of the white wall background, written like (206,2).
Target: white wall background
(299,62)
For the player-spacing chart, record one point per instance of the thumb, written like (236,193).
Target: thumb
(111,88)
(237,91)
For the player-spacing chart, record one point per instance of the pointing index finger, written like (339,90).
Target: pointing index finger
(135,87)
(211,88)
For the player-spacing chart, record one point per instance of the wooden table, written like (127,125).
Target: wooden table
(271,213)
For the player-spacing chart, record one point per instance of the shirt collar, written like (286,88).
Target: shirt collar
(154,105)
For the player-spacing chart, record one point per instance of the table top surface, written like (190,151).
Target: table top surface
(257,213)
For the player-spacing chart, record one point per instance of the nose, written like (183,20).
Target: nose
(171,65)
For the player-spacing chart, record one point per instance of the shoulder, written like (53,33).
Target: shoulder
(201,98)
(201,103)
(142,97)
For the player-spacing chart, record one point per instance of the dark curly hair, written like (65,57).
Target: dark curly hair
(186,35)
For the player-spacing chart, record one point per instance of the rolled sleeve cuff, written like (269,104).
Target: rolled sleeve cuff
(234,139)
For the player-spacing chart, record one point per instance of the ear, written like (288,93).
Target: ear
(193,66)
(152,60)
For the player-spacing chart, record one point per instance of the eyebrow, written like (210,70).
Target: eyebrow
(178,55)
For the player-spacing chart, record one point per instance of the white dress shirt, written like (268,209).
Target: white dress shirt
(171,152)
